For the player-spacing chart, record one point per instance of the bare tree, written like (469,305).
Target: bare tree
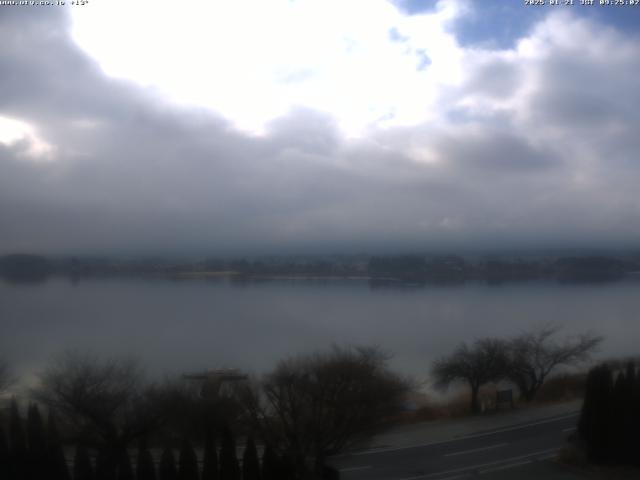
(483,362)
(103,400)
(318,405)
(535,354)
(186,412)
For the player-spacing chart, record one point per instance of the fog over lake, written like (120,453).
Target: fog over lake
(174,326)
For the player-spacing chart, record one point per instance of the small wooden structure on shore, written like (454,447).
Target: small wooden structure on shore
(504,398)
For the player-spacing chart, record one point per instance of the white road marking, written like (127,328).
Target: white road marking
(518,427)
(480,465)
(353,469)
(548,457)
(476,450)
(505,467)
(476,435)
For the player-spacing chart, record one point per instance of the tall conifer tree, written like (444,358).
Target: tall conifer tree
(210,462)
(82,468)
(188,463)
(125,471)
(168,470)
(36,439)
(5,458)
(250,462)
(17,443)
(145,469)
(270,470)
(59,469)
(229,468)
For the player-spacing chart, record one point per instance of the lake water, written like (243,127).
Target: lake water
(177,326)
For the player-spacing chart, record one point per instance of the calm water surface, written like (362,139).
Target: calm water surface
(176,326)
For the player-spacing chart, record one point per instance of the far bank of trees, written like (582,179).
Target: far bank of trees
(526,361)
(417,268)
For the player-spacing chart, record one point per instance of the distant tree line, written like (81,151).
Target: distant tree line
(406,268)
(452,268)
(610,418)
(25,268)
(525,360)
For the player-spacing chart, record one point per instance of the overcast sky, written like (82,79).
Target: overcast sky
(301,126)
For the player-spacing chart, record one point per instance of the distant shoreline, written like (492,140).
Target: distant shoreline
(403,269)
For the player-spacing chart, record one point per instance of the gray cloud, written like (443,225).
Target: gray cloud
(490,151)
(133,173)
(497,79)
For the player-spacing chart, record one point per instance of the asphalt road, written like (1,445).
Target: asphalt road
(482,453)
